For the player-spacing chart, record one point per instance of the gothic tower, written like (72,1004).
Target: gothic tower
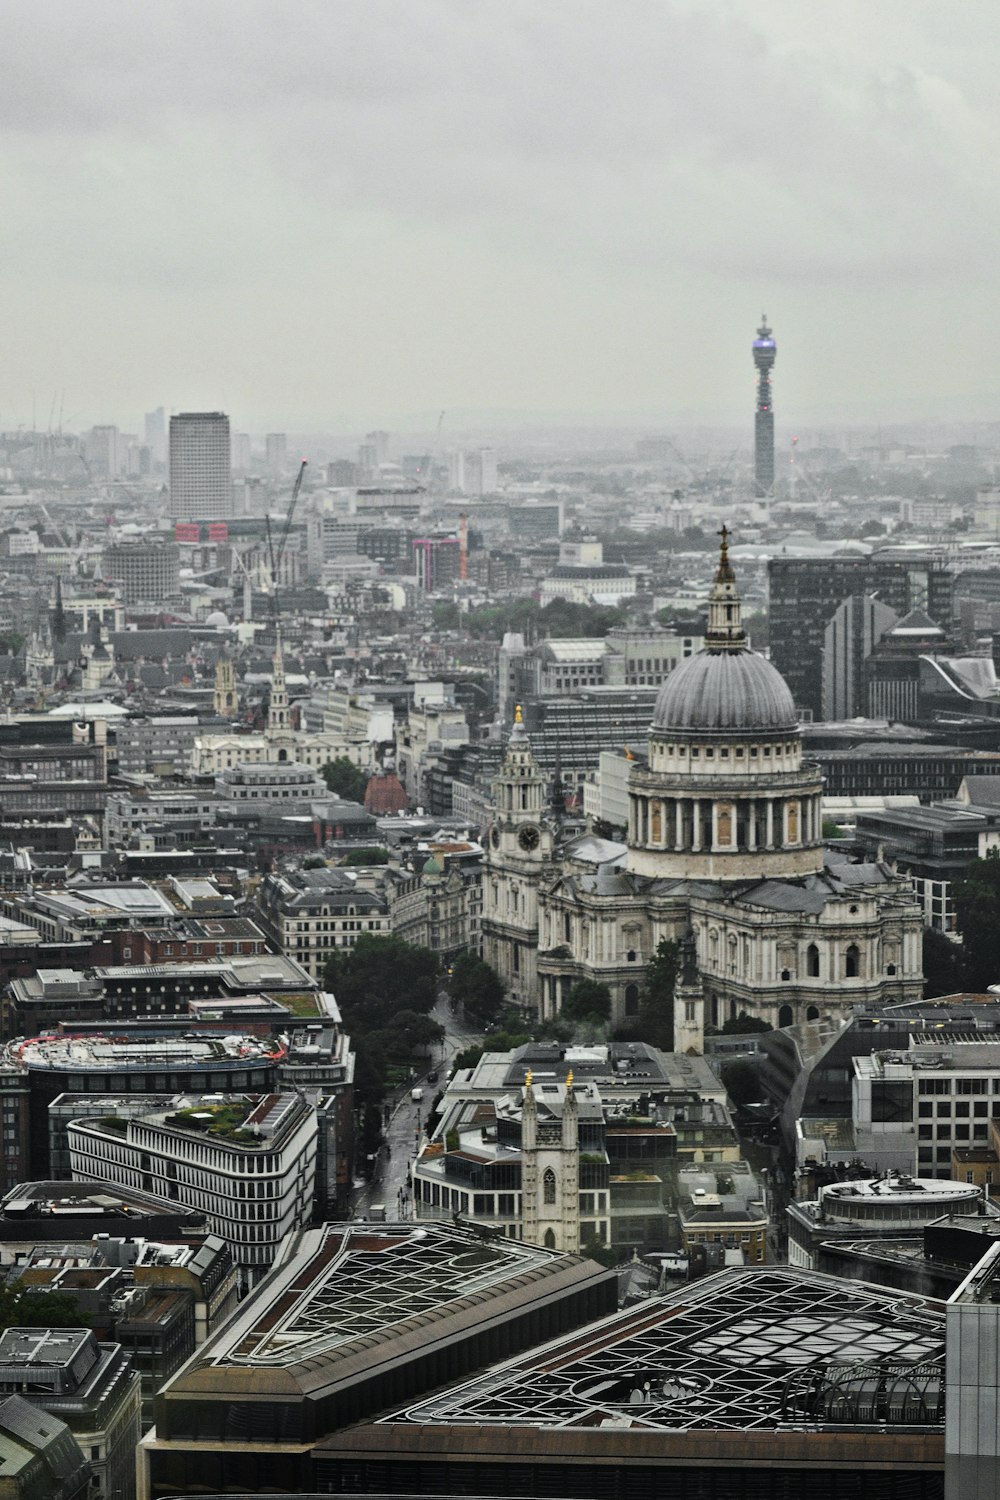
(550,1167)
(225,700)
(279,733)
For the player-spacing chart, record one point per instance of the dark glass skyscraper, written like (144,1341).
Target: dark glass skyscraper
(765,352)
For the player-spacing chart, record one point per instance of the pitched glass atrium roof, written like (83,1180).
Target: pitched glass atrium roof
(746,1349)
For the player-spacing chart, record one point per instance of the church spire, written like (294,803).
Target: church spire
(277,713)
(59,613)
(725,622)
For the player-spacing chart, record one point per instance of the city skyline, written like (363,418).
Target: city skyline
(380,211)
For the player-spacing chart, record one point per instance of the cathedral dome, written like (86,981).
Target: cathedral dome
(725,691)
(726,688)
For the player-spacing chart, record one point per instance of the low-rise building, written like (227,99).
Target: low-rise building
(247,1161)
(436,898)
(90,1386)
(42,1460)
(353,1318)
(872,1208)
(621,1158)
(724,1207)
(311,914)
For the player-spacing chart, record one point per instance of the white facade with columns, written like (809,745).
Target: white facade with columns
(725,843)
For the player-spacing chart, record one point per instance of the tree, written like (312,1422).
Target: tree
(743,1024)
(344,779)
(446,615)
(977,916)
(22,1307)
(587,1001)
(563,617)
(477,987)
(655,1024)
(469,1057)
(944,965)
(366,857)
(379,977)
(409,1033)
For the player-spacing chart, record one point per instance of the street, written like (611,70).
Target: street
(390,1184)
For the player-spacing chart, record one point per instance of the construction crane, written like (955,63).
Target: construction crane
(275,557)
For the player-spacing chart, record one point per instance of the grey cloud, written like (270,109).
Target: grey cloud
(589,148)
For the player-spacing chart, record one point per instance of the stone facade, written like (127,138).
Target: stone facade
(724,842)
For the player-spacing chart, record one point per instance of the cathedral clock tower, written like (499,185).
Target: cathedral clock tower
(519,847)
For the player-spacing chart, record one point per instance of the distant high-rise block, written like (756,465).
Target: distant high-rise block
(380,442)
(156,435)
(105,452)
(241,453)
(480,472)
(277,452)
(765,352)
(805,594)
(200,479)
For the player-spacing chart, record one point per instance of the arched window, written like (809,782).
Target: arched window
(812,1013)
(812,961)
(891,969)
(550,1240)
(548,1186)
(852,962)
(785,1016)
(631,999)
(282,755)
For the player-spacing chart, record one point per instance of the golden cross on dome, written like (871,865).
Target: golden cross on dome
(569,1080)
(725,534)
(518,715)
(527,1079)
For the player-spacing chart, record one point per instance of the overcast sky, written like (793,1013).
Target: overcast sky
(338,212)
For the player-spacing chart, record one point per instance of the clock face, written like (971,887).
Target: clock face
(495,836)
(528,838)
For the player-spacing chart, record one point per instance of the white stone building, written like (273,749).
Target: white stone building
(724,839)
(248,1162)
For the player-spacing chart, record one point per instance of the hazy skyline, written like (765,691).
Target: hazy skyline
(340,214)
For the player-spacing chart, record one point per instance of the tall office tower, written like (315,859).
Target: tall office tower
(241,453)
(380,442)
(805,594)
(481,472)
(156,435)
(105,452)
(277,452)
(456,471)
(200,481)
(765,352)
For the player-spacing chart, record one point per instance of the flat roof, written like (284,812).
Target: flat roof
(102,1051)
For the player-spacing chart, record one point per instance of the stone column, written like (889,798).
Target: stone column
(770,823)
(752,823)
(679,824)
(715,825)
(695,825)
